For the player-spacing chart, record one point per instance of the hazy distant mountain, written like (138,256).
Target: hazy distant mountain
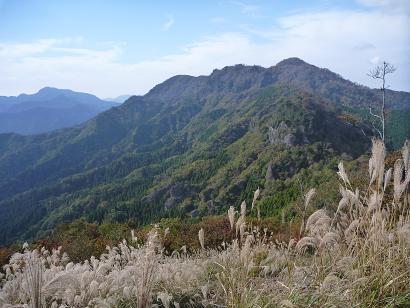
(191,146)
(47,110)
(119,99)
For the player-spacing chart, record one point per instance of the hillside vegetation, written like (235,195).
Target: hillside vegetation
(355,255)
(192,147)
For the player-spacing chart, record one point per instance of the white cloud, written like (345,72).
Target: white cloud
(347,42)
(246,8)
(168,24)
(375,60)
(218,20)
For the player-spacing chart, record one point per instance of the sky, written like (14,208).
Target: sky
(115,47)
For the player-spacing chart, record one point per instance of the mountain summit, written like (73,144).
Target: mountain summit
(48,109)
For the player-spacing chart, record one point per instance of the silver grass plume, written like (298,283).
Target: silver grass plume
(239,223)
(399,186)
(307,244)
(342,173)
(145,283)
(376,162)
(406,155)
(255,196)
(387,178)
(165,299)
(201,237)
(231,216)
(33,276)
(243,208)
(309,196)
(318,223)
(330,240)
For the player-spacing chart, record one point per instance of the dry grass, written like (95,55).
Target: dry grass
(355,257)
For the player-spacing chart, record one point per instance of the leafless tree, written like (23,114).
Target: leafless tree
(380,72)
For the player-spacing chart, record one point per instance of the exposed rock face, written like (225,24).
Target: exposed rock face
(281,135)
(155,195)
(237,187)
(269,173)
(173,194)
(286,135)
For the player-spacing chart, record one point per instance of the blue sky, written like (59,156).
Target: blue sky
(110,48)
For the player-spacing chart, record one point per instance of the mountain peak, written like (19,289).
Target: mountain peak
(51,90)
(291,61)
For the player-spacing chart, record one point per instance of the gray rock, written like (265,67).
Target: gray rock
(269,172)
(283,134)
(170,203)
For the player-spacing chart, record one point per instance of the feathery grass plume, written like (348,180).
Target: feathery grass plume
(165,299)
(351,231)
(292,243)
(403,233)
(246,252)
(330,240)
(166,232)
(231,216)
(318,223)
(255,197)
(314,218)
(33,276)
(399,186)
(376,162)
(309,196)
(243,208)
(145,282)
(330,284)
(307,244)
(242,230)
(387,178)
(201,237)
(133,237)
(239,222)
(342,174)
(406,155)
(374,202)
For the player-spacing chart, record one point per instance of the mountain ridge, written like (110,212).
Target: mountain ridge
(194,142)
(47,110)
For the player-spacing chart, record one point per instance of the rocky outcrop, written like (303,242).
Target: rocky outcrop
(173,194)
(283,134)
(269,173)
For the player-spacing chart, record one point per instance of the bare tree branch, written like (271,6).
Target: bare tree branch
(373,114)
(380,72)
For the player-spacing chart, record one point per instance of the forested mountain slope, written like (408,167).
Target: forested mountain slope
(191,146)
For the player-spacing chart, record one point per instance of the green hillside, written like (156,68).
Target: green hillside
(192,146)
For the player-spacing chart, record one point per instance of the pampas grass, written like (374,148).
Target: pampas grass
(201,237)
(358,256)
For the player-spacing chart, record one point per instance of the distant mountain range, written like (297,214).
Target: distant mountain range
(192,146)
(119,99)
(47,110)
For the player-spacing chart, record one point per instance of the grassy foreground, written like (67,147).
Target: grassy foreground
(357,256)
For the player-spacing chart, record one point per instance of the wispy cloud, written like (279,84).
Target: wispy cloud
(246,8)
(218,20)
(348,42)
(402,6)
(169,23)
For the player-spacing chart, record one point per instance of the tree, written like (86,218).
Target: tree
(380,72)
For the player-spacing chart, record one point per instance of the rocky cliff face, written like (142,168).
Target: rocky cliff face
(289,136)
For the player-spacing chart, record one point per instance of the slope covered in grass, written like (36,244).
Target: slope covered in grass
(353,254)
